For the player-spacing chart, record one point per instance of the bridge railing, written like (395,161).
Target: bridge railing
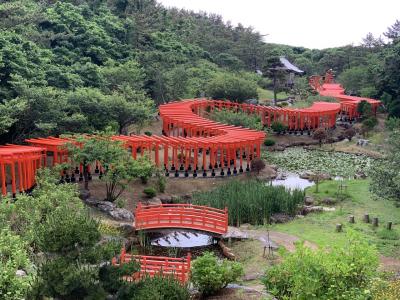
(179,268)
(181,216)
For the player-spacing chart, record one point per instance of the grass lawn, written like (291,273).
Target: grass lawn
(269,95)
(319,228)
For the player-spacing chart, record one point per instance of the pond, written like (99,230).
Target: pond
(298,160)
(181,239)
(292,181)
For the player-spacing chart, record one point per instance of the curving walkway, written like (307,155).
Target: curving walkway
(325,86)
(191,144)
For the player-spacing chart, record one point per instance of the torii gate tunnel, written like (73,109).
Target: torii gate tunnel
(190,142)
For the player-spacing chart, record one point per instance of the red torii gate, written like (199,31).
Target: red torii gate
(348,104)
(191,142)
(18,165)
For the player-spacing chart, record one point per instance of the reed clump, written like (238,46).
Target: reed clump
(251,201)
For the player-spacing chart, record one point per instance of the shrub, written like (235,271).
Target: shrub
(349,133)
(150,192)
(13,256)
(231,86)
(237,119)
(161,182)
(364,108)
(269,142)
(166,288)
(210,275)
(257,165)
(252,201)
(392,123)
(370,123)
(338,273)
(320,135)
(278,127)
(108,229)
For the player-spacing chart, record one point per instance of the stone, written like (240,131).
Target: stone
(235,233)
(360,175)
(274,167)
(127,229)
(155,201)
(106,206)
(328,201)
(278,148)
(311,209)
(174,198)
(308,200)
(280,218)
(324,208)
(84,194)
(20,273)
(245,226)
(187,197)
(281,176)
(307,175)
(165,199)
(362,142)
(93,201)
(121,214)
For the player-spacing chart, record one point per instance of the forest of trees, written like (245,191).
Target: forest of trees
(84,65)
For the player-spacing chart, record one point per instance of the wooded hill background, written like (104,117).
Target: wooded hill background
(84,65)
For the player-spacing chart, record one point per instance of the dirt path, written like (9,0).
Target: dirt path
(389,264)
(272,238)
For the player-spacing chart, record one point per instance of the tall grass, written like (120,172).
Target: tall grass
(251,201)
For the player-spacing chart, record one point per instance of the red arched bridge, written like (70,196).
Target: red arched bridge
(179,268)
(187,216)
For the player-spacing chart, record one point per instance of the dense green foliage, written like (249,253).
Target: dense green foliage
(385,173)
(239,118)
(337,273)
(209,274)
(62,239)
(232,87)
(13,256)
(252,201)
(151,288)
(79,66)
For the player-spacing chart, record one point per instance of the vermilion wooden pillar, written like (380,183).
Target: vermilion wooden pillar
(3,178)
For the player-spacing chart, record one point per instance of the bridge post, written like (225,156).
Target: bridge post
(226,218)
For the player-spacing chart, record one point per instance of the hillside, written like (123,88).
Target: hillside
(85,65)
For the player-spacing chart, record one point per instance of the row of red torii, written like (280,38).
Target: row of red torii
(190,141)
